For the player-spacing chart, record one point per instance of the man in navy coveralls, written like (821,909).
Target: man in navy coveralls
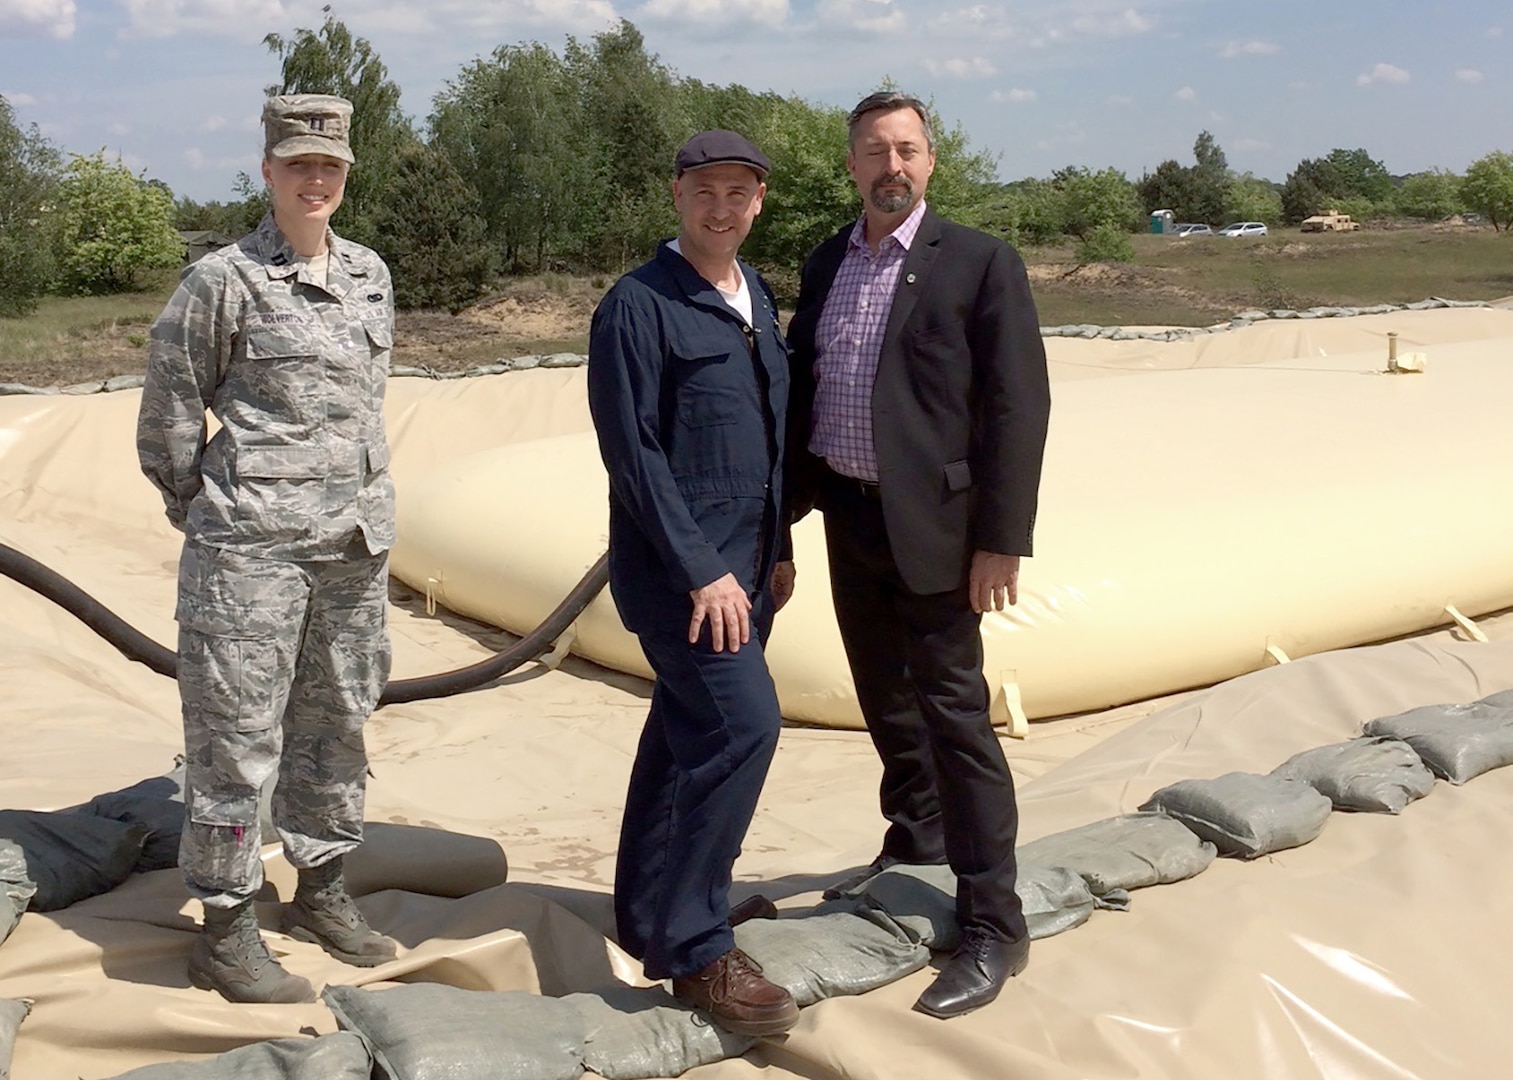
(688,386)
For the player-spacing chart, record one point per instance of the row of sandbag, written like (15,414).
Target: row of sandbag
(886,928)
(51,859)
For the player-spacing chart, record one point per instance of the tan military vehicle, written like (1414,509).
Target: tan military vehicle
(1330,221)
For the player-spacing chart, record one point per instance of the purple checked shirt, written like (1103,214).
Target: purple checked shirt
(849,340)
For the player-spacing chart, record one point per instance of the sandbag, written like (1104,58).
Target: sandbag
(72,856)
(11,1015)
(829,955)
(428,1031)
(1457,742)
(1245,815)
(1370,774)
(631,1033)
(16,888)
(1131,851)
(922,901)
(158,805)
(341,1056)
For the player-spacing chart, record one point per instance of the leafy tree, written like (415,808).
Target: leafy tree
(513,126)
(232,219)
(1358,173)
(635,121)
(964,179)
(809,193)
(111,225)
(434,233)
(331,61)
(1313,186)
(1210,180)
(1093,199)
(1488,188)
(1429,196)
(1252,199)
(29,167)
(1170,187)
(1027,212)
(1106,243)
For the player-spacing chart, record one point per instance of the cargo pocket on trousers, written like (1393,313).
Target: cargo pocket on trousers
(227,682)
(231,733)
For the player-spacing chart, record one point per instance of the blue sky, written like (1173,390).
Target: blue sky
(173,86)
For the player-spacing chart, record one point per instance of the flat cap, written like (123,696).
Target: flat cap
(295,124)
(721,148)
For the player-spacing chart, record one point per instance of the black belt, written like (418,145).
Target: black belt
(851,485)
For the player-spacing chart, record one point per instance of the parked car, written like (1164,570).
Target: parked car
(1191,229)
(1244,228)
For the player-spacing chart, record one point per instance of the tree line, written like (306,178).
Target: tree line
(536,160)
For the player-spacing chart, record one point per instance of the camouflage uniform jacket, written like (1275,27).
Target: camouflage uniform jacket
(295,374)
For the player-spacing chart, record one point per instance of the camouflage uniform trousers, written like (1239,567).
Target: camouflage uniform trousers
(280,665)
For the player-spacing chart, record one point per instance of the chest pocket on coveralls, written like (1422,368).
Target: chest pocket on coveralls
(710,392)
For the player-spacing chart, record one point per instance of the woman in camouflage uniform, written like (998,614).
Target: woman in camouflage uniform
(288,515)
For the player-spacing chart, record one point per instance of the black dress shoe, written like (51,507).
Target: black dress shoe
(851,882)
(974,975)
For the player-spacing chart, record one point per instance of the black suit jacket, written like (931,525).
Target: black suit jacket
(960,406)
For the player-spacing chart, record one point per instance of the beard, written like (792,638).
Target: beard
(890,203)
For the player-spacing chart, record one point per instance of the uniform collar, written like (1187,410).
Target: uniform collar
(348,262)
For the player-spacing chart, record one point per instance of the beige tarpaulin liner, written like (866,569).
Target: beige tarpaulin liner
(1377,950)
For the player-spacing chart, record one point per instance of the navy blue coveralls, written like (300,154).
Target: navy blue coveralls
(689,404)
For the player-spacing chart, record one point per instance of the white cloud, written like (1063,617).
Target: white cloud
(1016,96)
(872,16)
(213,123)
(37,18)
(199,162)
(119,129)
(1187,93)
(718,12)
(961,67)
(1383,73)
(1127,23)
(1494,31)
(239,18)
(1251,146)
(18,101)
(219,18)
(1119,100)
(980,22)
(1468,75)
(1249,48)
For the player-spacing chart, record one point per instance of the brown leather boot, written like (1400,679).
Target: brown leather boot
(324,914)
(733,992)
(231,958)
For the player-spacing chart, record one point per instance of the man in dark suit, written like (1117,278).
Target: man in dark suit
(688,386)
(918,417)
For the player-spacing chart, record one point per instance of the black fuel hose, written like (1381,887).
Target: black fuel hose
(135,645)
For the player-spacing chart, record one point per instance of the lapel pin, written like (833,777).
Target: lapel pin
(909,278)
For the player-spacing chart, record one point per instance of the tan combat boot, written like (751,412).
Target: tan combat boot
(231,958)
(324,914)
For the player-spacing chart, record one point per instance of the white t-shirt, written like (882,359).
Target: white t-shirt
(318,267)
(738,301)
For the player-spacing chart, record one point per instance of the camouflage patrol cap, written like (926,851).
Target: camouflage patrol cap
(297,124)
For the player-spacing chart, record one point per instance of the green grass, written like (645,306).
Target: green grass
(67,338)
(1202,279)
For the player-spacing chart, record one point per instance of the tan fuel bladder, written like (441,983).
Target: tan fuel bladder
(1194,525)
